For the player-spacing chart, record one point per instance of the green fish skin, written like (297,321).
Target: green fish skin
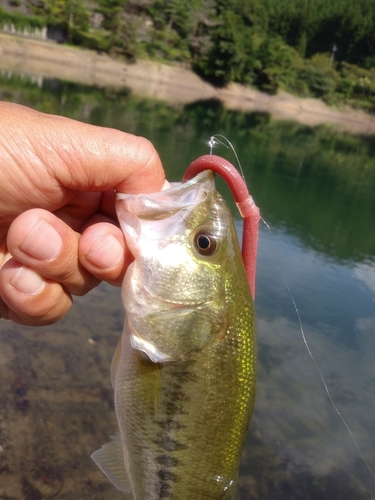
(184,371)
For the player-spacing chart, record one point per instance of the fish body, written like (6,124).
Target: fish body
(184,371)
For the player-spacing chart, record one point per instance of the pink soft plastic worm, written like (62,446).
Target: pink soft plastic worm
(245,203)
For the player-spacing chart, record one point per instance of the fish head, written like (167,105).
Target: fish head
(183,242)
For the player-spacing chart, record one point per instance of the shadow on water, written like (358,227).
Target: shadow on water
(316,187)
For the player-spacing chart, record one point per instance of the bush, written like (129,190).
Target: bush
(20,21)
(319,76)
(362,80)
(346,87)
(319,82)
(94,40)
(278,64)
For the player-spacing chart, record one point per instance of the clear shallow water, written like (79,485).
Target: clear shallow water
(317,190)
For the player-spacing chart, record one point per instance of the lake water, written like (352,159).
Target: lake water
(316,189)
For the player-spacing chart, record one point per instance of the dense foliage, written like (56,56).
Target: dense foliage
(311,47)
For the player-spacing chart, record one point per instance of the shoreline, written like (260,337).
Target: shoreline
(172,84)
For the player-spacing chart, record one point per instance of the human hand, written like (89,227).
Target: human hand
(58,228)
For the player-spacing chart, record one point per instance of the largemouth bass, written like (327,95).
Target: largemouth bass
(184,371)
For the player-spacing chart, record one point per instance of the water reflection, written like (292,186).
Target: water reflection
(293,414)
(317,190)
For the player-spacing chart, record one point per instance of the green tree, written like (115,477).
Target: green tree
(180,27)
(70,15)
(231,55)
(278,64)
(319,76)
(120,27)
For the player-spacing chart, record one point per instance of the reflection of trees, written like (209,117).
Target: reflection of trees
(319,184)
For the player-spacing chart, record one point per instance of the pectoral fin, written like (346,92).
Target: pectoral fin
(110,460)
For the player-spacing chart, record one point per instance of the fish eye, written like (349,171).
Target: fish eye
(205,243)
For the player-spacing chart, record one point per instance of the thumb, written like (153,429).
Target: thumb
(105,158)
(49,158)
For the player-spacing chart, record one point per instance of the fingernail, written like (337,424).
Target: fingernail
(106,252)
(43,242)
(27,281)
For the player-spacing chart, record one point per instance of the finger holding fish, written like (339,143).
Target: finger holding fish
(38,282)
(103,252)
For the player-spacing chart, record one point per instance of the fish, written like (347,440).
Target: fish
(184,371)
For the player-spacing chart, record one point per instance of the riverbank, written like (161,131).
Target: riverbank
(169,83)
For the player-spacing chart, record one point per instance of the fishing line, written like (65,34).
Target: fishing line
(311,354)
(213,142)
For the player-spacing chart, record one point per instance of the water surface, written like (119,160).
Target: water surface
(316,189)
